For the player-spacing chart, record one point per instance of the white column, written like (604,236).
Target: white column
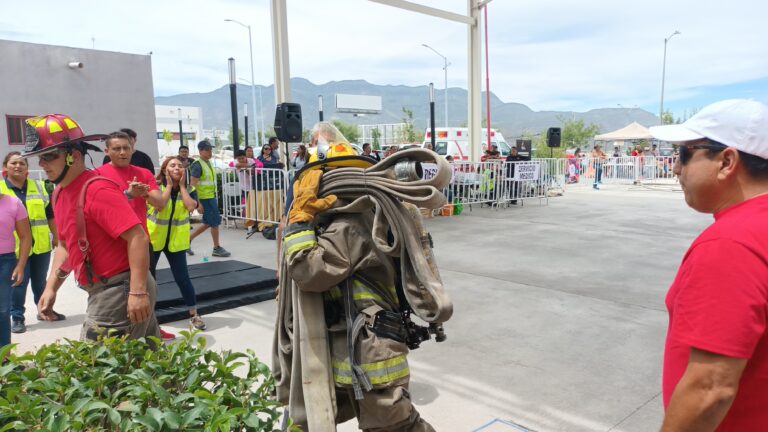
(279,15)
(474,82)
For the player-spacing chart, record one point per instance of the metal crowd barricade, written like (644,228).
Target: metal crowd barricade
(255,194)
(553,172)
(627,170)
(498,183)
(524,180)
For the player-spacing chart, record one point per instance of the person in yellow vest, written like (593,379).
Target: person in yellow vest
(169,231)
(204,179)
(34,196)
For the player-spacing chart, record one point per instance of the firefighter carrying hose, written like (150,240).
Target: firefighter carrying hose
(344,327)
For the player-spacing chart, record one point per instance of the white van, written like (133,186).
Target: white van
(455,142)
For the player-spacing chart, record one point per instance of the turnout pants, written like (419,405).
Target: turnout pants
(382,410)
(107,312)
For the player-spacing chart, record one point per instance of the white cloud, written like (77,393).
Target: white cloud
(555,54)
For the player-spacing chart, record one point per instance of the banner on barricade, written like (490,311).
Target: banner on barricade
(429,170)
(527,171)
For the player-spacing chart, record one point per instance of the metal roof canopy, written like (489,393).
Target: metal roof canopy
(472,19)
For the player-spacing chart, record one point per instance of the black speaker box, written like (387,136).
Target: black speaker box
(553,137)
(288,122)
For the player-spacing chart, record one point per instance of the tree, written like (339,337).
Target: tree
(240,137)
(575,134)
(667,118)
(167,136)
(539,146)
(269,133)
(408,133)
(350,131)
(375,135)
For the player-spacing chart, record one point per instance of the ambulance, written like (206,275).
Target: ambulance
(454,141)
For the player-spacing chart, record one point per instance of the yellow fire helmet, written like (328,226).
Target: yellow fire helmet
(330,149)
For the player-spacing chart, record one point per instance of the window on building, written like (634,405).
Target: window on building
(16,130)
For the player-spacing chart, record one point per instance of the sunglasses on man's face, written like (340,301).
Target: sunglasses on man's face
(686,150)
(49,157)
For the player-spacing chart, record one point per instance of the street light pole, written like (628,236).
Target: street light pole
(445,68)
(253,82)
(181,129)
(245,114)
(233,103)
(663,75)
(432,115)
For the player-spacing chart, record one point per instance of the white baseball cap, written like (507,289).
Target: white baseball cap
(738,123)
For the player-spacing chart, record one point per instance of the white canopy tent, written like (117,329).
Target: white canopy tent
(634,131)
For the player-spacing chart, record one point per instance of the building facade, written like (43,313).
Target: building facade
(168,130)
(102,90)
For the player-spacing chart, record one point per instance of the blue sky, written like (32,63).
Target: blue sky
(549,55)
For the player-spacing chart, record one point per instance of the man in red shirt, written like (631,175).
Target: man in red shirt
(114,268)
(140,184)
(716,354)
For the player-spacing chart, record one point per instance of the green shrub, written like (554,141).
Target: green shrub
(124,385)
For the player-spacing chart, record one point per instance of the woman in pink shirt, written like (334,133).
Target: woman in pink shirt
(13,219)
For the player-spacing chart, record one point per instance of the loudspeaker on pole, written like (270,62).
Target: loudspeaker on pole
(553,137)
(288,122)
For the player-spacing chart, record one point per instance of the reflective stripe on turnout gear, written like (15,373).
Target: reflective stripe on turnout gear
(298,241)
(380,372)
(361,291)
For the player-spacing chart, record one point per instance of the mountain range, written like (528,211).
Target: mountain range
(513,119)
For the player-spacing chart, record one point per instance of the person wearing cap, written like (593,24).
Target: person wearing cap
(204,180)
(138,157)
(716,354)
(100,236)
(34,196)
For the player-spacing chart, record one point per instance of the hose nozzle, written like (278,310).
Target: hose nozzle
(408,170)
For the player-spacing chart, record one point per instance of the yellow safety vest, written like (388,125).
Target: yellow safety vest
(206,189)
(173,221)
(37,200)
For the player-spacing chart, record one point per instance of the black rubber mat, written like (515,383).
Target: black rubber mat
(219,285)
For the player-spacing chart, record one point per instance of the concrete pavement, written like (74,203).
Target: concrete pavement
(559,316)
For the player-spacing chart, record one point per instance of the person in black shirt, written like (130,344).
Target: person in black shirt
(513,157)
(138,158)
(367,152)
(184,157)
